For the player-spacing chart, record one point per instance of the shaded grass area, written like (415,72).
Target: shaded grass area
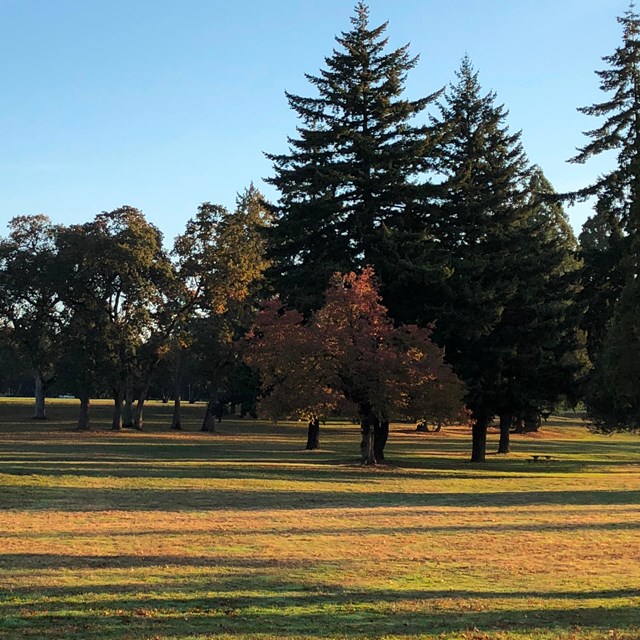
(243,534)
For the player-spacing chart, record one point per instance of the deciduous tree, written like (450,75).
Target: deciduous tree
(350,354)
(30,305)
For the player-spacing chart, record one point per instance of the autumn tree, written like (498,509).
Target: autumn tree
(352,170)
(350,354)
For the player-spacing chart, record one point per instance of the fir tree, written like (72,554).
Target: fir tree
(544,350)
(477,231)
(613,395)
(618,191)
(611,237)
(350,174)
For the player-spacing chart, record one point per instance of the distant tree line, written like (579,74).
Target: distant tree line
(415,265)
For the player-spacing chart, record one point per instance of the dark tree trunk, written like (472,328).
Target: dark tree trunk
(40,412)
(138,414)
(519,425)
(176,423)
(479,438)
(367,451)
(506,420)
(313,434)
(209,422)
(118,397)
(532,422)
(127,411)
(381,435)
(83,417)
(176,419)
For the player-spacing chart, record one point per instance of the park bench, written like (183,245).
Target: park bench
(541,458)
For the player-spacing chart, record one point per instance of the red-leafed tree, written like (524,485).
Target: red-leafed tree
(349,356)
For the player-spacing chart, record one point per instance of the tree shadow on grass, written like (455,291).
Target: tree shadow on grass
(353,531)
(42,498)
(247,602)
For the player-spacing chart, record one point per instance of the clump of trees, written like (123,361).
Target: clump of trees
(457,224)
(97,307)
(481,297)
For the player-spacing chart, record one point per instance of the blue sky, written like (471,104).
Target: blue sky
(164,104)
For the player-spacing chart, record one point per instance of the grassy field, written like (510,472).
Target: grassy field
(243,534)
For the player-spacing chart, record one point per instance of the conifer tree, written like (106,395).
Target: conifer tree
(544,349)
(609,240)
(478,232)
(351,171)
(611,237)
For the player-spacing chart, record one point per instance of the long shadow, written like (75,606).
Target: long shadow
(270,585)
(356,531)
(284,606)
(104,463)
(40,498)
(318,469)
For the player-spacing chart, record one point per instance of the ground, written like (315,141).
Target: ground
(244,534)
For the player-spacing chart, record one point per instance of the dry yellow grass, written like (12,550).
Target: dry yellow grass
(245,535)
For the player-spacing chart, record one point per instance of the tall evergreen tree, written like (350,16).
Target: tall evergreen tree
(544,350)
(478,236)
(351,171)
(611,237)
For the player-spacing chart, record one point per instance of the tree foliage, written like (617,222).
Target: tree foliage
(117,276)
(351,171)
(350,356)
(610,241)
(220,261)
(30,308)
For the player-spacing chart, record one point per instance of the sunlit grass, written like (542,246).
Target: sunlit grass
(243,534)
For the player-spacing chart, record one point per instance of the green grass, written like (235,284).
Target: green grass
(243,534)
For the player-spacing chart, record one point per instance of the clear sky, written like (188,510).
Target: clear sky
(164,104)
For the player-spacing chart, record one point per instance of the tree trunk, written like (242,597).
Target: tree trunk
(118,396)
(138,414)
(313,434)
(532,422)
(83,417)
(176,423)
(381,435)
(506,421)
(40,412)
(367,452)
(127,411)
(209,422)
(479,438)
(519,425)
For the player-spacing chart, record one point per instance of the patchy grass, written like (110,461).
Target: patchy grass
(243,534)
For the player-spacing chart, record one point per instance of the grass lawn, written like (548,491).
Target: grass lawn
(243,534)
